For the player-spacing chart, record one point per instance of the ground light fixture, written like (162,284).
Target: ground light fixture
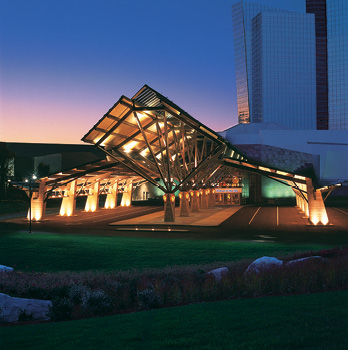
(34,177)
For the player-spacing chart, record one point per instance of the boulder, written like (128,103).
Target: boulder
(4,268)
(218,273)
(10,308)
(307,259)
(264,263)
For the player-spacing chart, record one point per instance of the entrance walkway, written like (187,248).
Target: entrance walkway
(206,217)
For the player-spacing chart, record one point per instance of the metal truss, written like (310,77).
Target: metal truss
(156,139)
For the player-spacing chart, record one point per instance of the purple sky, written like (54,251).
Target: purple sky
(64,63)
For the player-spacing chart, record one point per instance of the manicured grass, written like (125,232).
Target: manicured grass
(316,321)
(54,252)
(10,207)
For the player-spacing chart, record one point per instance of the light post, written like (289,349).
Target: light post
(30,195)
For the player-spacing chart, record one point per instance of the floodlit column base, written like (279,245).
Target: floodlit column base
(111,198)
(92,203)
(169,207)
(68,205)
(211,198)
(38,204)
(301,198)
(184,203)
(316,206)
(127,195)
(205,196)
(195,201)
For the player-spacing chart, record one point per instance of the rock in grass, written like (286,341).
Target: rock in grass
(4,268)
(307,259)
(218,273)
(264,263)
(11,307)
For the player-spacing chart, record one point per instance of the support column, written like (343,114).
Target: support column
(184,203)
(316,206)
(169,207)
(111,197)
(67,208)
(211,198)
(304,202)
(127,195)
(297,200)
(92,203)
(195,201)
(38,204)
(205,194)
(200,197)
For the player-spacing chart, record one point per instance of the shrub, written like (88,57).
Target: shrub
(77,292)
(112,287)
(148,299)
(96,302)
(61,309)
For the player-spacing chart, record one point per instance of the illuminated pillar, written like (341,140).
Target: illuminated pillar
(200,198)
(211,198)
(127,195)
(205,196)
(305,206)
(301,198)
(38,204)
(184,203)
(169,207)
(316,207)
(111,197)
(297,200)
(195,201)
(92,203)
(68,205)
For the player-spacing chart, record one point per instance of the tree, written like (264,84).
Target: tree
(6,157)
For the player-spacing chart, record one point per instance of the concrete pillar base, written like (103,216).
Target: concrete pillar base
(68,205)
(38,204)
(205,194)
(195,201)
(92,203)
(169,207)
(316,206)
(211,198)
(127,195)
(111,197)
(184,204)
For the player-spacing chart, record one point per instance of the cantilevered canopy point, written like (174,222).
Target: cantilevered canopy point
(160,142)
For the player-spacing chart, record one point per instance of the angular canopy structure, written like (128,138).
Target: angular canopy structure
(159,141)
(149,138)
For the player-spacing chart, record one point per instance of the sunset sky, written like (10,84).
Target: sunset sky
(64,63)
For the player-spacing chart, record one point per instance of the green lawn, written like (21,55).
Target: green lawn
(316,321)
(55,252)
(10,207)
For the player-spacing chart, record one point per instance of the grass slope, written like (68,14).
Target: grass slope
(317,321)
(54,252)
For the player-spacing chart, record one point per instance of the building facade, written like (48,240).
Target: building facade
(283,70)
(337,47)
(275,66)
(318,8)
(242,15)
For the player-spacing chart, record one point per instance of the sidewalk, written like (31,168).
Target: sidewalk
(206,217)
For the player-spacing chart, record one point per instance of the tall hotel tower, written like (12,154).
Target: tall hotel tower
(331,26)
(275,66)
